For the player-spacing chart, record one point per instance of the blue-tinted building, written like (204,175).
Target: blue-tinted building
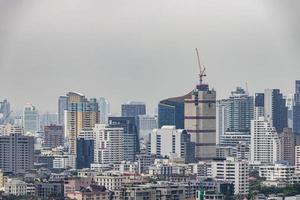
(296,109)
(133,109)
(131,138)
(171,111)
(85,153)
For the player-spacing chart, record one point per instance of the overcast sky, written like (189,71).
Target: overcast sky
(144,50)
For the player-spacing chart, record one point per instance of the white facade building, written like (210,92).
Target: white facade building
(297,159)
(169,141)
(276,172)
(109,147)
(233,171)
(265,143)
(15,187)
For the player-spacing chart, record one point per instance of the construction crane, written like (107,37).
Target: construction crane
(201,71)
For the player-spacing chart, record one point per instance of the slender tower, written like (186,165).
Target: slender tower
(200,118)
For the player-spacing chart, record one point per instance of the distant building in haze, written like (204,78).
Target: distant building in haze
(30,119)
(133,109)
(104,108)
(296,109)
(54,136)
(62,106)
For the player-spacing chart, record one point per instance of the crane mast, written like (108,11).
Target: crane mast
(201,71)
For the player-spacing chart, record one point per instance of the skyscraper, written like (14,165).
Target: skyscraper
(62,106)
(131,138)
(171,111)
(200,121)
(133,109)
(296,109)
(81,114)
(30,119)
(16,152)
(109,144)
(54,136)
(275,109)
(222,118)
(104,108)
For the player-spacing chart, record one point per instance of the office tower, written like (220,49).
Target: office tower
(16,153)
(236,172)
(172,142)
(133,109)
(265,143)
(275,109)
(290,105)
(222,118)
(131,138)
(296,109)
(30,119)
(200,121)
(109,144)
(104,108)
(297,159)
(4,111)
(85,153)
(81,114)
(240,111)
(259,105)
(54,136)
(145,125)
(287,140)
(171,111)
(62,106)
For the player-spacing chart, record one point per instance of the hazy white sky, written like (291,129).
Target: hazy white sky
(144,50)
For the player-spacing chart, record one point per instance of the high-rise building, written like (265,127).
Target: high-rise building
(109,144)
(62,106)
(265,143)
(290,105)
(169,141)
(275,109)
(259,105)
(240,111)
(296,109)
(171,111)
(16,153)
(133,109)
(80,114)
(4,111)
(222,118)
(104,108)
(130,131)
(145,125)
(46,119)
(30,119)
(85,153)
(297,159)
(54,136)
(200,121)
(288,140)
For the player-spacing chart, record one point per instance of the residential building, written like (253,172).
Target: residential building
(265,143)
(16,153)
(169,141)
(80,114)
(54,136)
(233,171)
(92,192)
(276,172)
(109,144)
(288,139)
(110,181)
(133,109)
(297,159)
(74,184)
(15,187)
(30,119)
(130,135)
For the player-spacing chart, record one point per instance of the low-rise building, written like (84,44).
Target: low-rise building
(15,187)
(276,172)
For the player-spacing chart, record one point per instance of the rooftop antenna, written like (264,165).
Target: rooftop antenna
(201,71)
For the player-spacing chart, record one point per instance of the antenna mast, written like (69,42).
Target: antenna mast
(201,72)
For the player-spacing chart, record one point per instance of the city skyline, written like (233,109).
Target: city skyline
(96,62)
